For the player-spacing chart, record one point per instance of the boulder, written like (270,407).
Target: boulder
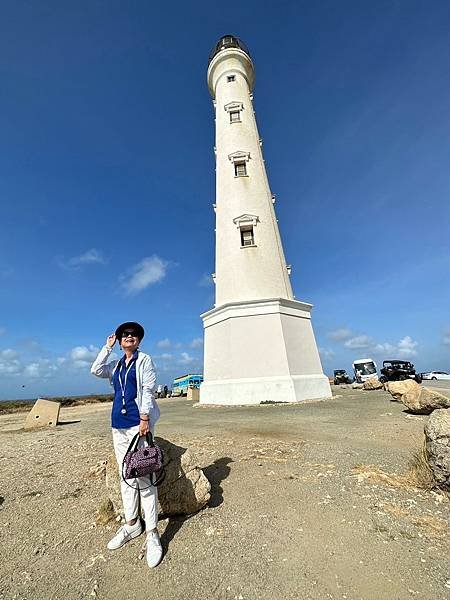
(357,386)
(185,489)
(437,436)
(373,384)
(398,388)
(417,399)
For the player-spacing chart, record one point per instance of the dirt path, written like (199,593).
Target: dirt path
(296,511)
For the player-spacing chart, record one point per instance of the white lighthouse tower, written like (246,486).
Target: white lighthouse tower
(259,342)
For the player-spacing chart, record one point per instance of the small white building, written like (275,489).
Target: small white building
(259,342)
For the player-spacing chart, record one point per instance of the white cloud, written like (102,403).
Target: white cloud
(186,358)
(339,335)
(385,348)
(9,363)
(90,257)
(163,356)
(326,353)
(33,371)
(165,343)
(407,347)
(446,337)
(359,341)
(9,354)
(83,356)
(196,343)
(42,368)
(206,281)
(148,271)
(12,364)
(164,362)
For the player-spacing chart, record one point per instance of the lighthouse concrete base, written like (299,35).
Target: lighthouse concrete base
(261,351)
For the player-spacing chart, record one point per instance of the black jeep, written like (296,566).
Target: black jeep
(340,376)
(399,370)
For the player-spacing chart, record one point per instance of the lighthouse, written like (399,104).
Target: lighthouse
(259,342)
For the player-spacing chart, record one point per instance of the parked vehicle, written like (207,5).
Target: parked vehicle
(398,370)
(181,384)
(364,369)
(340,376)
(436,375)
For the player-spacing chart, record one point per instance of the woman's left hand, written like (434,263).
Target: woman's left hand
(144,427)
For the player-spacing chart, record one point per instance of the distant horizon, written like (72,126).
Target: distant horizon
(111,392)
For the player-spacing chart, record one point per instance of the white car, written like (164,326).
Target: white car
(436,375)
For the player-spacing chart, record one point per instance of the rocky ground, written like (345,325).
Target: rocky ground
(308,503)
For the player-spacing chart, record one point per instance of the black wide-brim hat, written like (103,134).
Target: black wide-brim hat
(130,325)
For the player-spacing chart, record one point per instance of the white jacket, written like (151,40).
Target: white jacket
(145,380)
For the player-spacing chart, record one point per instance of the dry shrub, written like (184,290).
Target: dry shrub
(432,525)
(105,512)
(98,470)
(376,474)
(419,473)
(394,509)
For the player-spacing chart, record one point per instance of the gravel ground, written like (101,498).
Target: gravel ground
(300,507)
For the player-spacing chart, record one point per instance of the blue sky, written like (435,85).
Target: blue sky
(107,177)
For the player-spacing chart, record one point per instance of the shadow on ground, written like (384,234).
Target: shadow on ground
(216,473)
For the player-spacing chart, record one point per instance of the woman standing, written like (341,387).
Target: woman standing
(134,410)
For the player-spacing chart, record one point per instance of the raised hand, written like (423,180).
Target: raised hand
(111,340)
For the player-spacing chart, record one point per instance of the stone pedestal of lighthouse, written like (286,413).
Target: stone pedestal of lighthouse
(259,342)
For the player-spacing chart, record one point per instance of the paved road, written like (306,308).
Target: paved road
(438,384)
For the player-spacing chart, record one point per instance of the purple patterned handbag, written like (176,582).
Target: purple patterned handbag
(143,461)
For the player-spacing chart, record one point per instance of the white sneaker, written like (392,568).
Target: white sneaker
(154,549)
(125,534)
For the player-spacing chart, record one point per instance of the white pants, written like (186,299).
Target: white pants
(130,496)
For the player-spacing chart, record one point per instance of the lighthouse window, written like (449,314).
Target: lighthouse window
(231,78)
(235,116)
(247,237)
(240,169)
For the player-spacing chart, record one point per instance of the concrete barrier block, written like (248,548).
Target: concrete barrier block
(193,394)
(45,413)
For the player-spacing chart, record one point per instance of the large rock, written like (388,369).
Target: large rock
(185,489)
(373,384)
(417,399)
(398,388)
(357,386)
(437,435)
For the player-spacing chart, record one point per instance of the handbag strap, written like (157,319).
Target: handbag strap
(135,441)
(160,478)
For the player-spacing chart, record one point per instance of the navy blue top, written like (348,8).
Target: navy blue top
(127,377)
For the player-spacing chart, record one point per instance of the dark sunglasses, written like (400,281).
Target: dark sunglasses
(129,334)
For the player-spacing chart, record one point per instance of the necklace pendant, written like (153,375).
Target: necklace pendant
(124,411)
